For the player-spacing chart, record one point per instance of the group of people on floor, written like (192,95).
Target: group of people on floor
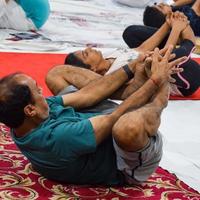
(80,135)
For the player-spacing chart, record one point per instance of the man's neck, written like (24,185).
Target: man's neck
(105,65)
(27,127)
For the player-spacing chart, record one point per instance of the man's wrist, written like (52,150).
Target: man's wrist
(176,29)
(167,25)
(156,81)
(132,65)
(128,71)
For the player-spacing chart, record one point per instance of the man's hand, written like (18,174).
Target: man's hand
(177,20)
(162,69)
(182,2)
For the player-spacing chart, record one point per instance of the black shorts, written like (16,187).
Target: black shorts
(188,81)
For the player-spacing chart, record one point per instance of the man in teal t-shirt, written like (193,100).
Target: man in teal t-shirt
(67,141)
(66,126)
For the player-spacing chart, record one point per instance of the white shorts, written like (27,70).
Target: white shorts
(138,166)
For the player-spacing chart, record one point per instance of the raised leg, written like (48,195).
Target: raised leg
(132,131)
(62,76)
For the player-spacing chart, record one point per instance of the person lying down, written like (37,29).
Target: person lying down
(186,82)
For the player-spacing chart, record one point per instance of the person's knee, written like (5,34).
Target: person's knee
(53,73)
(129,36)
(50,75)
(55,78)
(129,133)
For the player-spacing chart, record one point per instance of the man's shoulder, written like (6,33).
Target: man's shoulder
(54,100)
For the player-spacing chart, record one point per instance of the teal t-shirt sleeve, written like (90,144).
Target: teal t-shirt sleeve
(73,139)
(55,100)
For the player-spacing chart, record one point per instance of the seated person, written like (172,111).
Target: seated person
(67,143)
(187,82)
(23,15)
(154,16)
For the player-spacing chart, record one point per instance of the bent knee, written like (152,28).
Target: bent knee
(55,79)
(129,132)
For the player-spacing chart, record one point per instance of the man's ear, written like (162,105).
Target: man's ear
(29,110)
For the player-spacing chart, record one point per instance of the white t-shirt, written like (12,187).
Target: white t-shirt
(12,16)
(122,56)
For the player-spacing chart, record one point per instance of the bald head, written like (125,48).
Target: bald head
(14,96)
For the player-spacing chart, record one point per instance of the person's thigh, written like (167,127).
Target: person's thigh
(104,107)
(187,82)
(138,166)
(135,35)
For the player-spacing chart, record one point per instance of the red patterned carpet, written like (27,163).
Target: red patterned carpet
(18,181)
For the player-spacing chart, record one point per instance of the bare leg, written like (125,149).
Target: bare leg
(132,131)
(196,7)
(62,76)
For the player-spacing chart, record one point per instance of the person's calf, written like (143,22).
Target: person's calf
(196,7)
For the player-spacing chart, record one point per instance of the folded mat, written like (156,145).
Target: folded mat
(37,66)
(20,182)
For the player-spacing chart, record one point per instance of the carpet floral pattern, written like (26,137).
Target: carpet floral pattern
(18,181)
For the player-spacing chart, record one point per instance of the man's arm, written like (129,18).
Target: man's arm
(161,71)
(182,2)
(155,39)
(178,22)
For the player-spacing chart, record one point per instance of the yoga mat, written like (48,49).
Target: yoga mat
(37,66)
(34,64)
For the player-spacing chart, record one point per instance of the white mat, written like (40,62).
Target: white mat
(100,23)
(180,127)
